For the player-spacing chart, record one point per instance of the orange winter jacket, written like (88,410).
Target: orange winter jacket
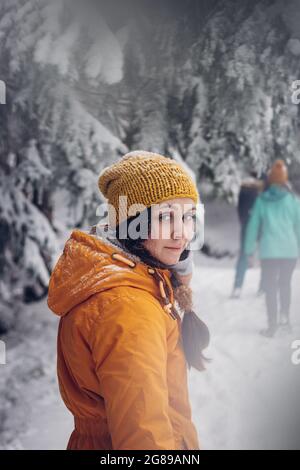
(121,367)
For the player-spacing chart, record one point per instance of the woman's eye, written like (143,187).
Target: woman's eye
(164,216)
(185,218)
(189,217)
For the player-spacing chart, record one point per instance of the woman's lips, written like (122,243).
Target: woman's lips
(175,249)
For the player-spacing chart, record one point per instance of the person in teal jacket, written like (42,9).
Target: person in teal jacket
(275,222)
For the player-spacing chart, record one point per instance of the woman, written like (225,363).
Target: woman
(275,220)
(249,191)
(123,346)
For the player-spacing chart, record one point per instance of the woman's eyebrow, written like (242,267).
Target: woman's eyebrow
(192,209)
(167,204)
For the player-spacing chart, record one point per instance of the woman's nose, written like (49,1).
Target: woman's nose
(183,232)
(178,231)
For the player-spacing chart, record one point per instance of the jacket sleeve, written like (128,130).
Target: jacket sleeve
(130,354)
(253,229)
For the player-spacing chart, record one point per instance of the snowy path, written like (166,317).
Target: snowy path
(32,413)
(249,396)
(236,402)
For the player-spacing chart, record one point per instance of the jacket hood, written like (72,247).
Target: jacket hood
(87,266)
(275,193)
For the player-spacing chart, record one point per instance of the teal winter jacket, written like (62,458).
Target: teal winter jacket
(275,223)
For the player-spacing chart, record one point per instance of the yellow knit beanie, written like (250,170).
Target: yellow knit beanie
(145,178)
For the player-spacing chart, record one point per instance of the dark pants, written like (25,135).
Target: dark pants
(277,276)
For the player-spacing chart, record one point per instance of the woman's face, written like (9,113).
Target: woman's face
(172,228)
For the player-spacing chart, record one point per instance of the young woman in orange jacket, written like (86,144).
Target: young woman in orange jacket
(127,332)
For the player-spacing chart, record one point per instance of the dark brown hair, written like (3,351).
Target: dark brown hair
(195,333)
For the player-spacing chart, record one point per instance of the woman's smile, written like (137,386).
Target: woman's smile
(173,249)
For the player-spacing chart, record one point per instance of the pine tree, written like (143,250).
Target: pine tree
(49,139)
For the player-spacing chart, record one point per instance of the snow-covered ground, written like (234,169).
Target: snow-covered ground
(244,400)
(32,413)
(247,398)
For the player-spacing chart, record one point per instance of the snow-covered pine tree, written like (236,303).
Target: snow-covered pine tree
(48,141)
(244,64)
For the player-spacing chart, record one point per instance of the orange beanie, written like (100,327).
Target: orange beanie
(278,173)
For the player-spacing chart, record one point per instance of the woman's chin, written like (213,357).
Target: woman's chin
(171,258)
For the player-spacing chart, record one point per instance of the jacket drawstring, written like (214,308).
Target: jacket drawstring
(168,307)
